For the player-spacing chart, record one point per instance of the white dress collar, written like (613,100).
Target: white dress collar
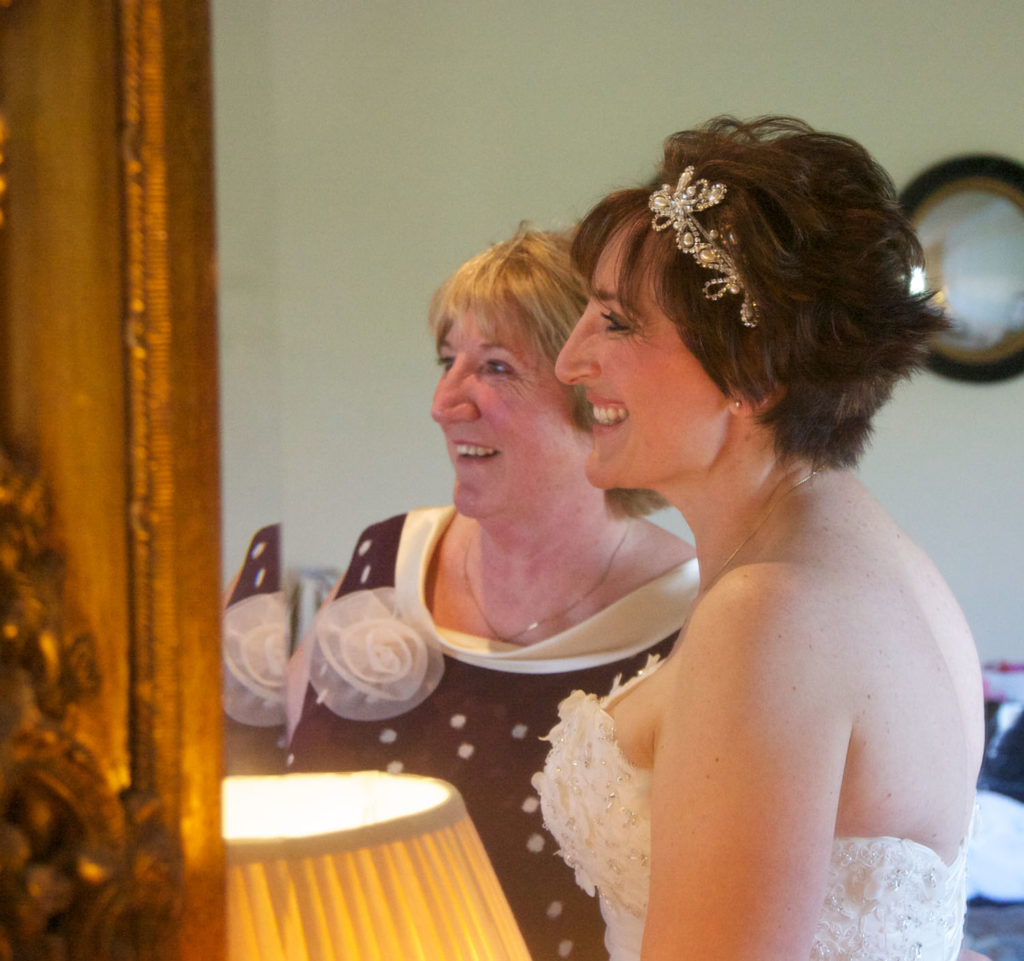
(630,625)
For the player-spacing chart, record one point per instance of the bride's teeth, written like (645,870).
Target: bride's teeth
(469,450)
(610,415)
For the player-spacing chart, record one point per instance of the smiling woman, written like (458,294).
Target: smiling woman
(456,630)
(826,666)
(633,367)
(501,411)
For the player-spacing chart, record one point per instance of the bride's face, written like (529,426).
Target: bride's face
(659,416)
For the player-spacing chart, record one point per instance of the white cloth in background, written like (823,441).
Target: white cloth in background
(995,858)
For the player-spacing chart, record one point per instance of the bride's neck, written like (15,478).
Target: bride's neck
(727,516)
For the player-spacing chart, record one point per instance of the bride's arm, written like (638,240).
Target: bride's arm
(748,764)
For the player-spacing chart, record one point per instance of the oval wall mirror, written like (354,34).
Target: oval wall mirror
(969,214)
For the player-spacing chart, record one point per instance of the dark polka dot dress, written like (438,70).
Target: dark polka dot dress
(481,730)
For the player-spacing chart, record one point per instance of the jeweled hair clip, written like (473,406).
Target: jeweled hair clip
(676,208)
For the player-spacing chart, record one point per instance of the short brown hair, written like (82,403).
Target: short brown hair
(822,247)
(526,289)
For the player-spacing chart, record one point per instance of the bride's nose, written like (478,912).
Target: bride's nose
(576,361)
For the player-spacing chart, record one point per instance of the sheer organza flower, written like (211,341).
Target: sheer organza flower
(368,662)
(255,653)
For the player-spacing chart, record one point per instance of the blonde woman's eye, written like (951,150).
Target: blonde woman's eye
(445,363)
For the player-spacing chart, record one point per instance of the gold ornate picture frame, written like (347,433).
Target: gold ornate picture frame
(110,751)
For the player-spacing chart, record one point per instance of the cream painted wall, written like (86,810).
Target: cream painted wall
(366,149)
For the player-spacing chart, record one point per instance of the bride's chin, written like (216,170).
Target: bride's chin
(601,476)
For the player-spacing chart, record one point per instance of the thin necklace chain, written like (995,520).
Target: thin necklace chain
(513,638)
(763,520)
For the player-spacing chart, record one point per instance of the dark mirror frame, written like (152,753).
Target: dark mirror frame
(1001,176)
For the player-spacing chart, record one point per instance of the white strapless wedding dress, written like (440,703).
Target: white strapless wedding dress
(887,899)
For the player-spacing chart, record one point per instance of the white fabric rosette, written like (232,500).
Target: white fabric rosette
(367,662)
(255,654)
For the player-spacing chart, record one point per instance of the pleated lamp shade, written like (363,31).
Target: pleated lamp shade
(346,867)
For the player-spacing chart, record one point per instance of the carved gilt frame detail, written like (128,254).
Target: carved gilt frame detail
(109,706)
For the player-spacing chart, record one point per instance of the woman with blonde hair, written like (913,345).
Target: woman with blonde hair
(457,630)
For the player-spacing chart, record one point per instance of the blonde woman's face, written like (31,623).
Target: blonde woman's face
(507,425)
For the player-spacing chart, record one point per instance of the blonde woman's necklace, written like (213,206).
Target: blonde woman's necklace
(514,638)
(760,523)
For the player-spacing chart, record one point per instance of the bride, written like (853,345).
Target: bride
(796,779)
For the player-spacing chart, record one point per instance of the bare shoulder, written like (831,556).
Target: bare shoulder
(748,709)
(768,633)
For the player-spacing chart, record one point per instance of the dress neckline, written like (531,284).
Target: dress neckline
(620,689)
(620,630)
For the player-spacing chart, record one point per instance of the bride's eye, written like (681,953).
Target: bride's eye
(615,324)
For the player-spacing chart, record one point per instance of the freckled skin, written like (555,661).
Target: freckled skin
(824,665)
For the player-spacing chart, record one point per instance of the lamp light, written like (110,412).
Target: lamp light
(325,867)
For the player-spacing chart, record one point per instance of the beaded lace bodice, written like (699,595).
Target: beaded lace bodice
(887,899)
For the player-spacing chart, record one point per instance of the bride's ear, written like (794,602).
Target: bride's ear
(745,405)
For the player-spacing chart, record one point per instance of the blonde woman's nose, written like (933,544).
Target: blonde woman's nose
(453,402)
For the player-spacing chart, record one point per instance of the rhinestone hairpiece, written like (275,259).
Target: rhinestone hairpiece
(676,208)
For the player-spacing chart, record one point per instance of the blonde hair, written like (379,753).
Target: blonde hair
(525,290)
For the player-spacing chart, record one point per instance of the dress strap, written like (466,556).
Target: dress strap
(619,689)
